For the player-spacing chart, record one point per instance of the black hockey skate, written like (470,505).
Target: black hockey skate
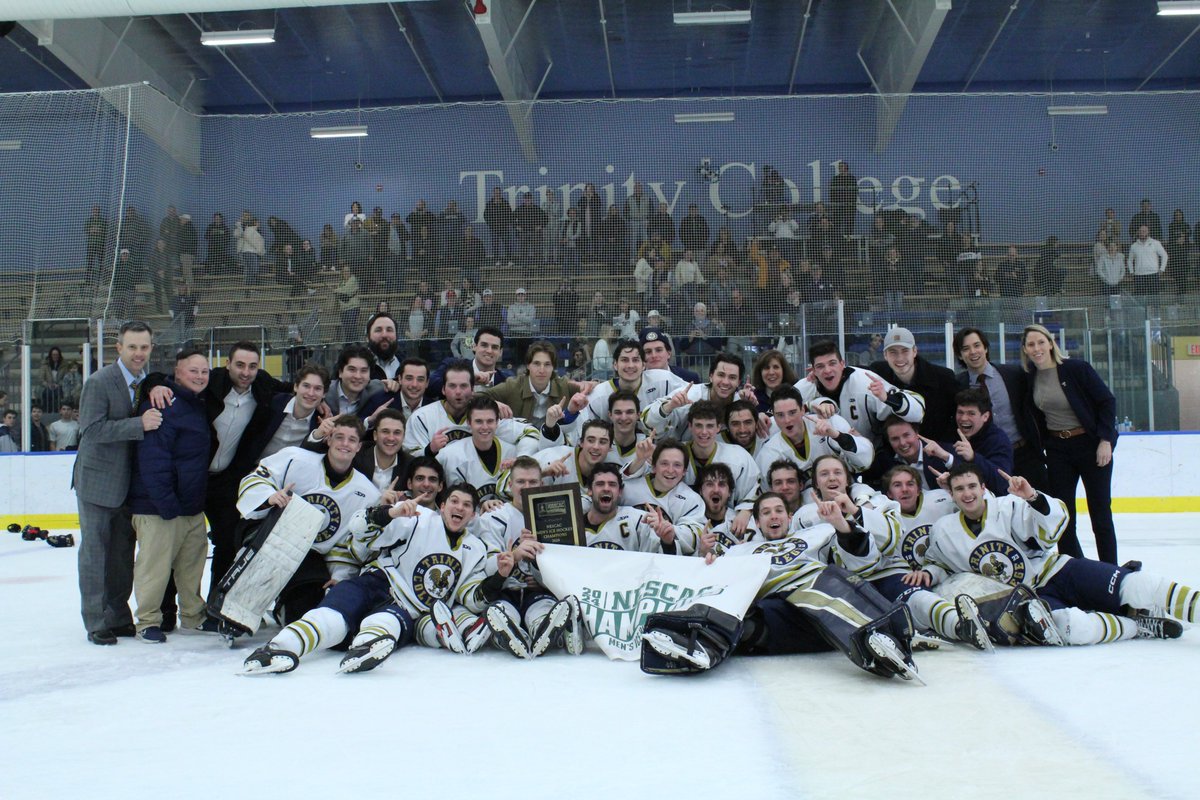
(267,660)
(551,628)
(970,627)
(1150,627)
(368,655)
(506,634)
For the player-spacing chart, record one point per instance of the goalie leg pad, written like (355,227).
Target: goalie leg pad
(685,642)
(839,604)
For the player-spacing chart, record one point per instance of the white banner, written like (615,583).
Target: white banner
(618,589)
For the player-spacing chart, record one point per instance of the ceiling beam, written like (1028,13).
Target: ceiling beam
(893,53)
(512,61)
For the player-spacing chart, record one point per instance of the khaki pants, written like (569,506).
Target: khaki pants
(185,263)
(163,546)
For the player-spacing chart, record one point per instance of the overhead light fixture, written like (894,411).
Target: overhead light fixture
(708,116)
(1069,111)
(1178,8)
(10,144)
(338,132)
(713,17)
(230,38)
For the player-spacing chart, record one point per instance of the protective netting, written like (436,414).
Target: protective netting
(779,250)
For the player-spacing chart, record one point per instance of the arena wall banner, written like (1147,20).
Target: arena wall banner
(618,589)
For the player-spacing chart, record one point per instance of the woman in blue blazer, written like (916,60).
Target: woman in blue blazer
(1077,415)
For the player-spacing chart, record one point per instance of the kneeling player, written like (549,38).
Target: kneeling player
(803,607)
(1012,539)
(420,562)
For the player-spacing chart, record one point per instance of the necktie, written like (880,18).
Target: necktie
(981,382)
(133,387)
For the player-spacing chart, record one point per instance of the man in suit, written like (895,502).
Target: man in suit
(531,394)
(294,416)
(381,341)
(906,447)
(352,386)
(489,345)
(1011,411)
(904,368)
(108,431)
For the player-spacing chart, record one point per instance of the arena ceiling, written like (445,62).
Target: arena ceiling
(428,51)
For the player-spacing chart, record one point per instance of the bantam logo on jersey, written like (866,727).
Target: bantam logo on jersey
(333,514)
(784,552)
(914,544)
(724,542)
(435,577)
(999,561)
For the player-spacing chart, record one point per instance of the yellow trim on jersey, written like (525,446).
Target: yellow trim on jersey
(820,601)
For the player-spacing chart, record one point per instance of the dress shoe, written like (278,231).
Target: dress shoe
(102,637)
(124,631)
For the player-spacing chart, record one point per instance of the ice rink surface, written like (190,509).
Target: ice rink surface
(175,721)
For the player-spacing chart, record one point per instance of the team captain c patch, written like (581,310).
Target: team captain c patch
(333,514)
(435,577)
(999,561)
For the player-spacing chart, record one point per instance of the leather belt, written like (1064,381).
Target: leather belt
(1068,434)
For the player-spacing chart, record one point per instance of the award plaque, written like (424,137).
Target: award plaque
(555,514)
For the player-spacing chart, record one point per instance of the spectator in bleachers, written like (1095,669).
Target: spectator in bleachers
(591,211)
(1179,235)
(53,370)
(843,200)
(1111,225)
(725,244)
(9,432)
(582,340)
(879,242)
(64,431)
(740,323)
(417,329)
(72,379)
(822,235)
(39,437)
(655,247)
(355,248)
(428,299)
(168,232)
(552,237)
(189,246)
(704,336)
(95,233)
(522,323)
(772,193)
(1110,265)
(490,313)
(424,251)
(687,279)
(356,213)
(463,343)
(160,274)
(530,224)
(874,351)
(1148,217)
(250,246)
(397,248)
(968,268)
(602,361)
(1047,274)
(1147,262)
(1012,273)
(947,250)
(579,369)
(669,304)
(377,227)
(613,235)
(346,295)
(183,311)
(637,212)
(784,229)
(421,216)
(1099,246)
(693,230)
(913,240)
(282,234)
(571,243)
(660,222)
(289,273)
(643,277)
(566,305)
(135,236)
(598,315)
(626,320)
(330,245)
(890,278)
(470,256)
(451,223)
(771,372)
(498,215)
(721,287)
(469,297)
(447,322)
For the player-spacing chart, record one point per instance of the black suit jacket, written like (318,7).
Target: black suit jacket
(938,386)
(1020,395)
(263,434)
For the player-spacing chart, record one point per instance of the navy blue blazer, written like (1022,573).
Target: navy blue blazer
(1016,383)
(170,474)
(1090,398)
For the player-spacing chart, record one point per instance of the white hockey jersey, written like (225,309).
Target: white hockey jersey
(673,424)
(792,565)
(1015,546)
(855,402)
(683,507)
(427,420)
(626,530)
(423,564)
(812,446)
(305,469)
(746,475)
(461,462)
(656,384)
(932,506)
(500,529)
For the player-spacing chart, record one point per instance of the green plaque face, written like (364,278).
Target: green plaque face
(555,514)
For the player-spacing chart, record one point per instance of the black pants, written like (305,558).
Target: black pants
(1067,461)
(1031,465)
(220,506)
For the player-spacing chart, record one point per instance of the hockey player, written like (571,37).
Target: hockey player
(566,464)
(426,573)
(614,525)
(328,482)
(624,411)
(703,420)
(664,493)
(860,396)
(786,480)
(741,426)
(803,607)
(433,426)
(650,385)
(482,460)
(802,437)
(918,510)
(423,483)
(715,484)
(1012,539)
(527,620)
(668,417)
(880,517)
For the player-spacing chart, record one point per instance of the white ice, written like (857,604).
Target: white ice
(175,721)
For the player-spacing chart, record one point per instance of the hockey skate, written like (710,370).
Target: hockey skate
(507,635)
(886,651)
(1038,624)
(477,634)
(1149,627)
(552,626)
(573,635)
(368,655)
(266,660)
(448,634)
(970,627)
(677,647)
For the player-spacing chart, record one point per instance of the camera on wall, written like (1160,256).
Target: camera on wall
(358,165)
(1054,147)
(706,172)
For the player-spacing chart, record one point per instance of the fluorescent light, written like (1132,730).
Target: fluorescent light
(10,144)
(712,17)
(1068,111)
(708,116)
(1178,8)
(227,38)
(338,132)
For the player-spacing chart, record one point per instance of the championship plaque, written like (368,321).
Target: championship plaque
(555,514)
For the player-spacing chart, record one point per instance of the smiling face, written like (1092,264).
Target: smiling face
(382,337)
(704,433)
(657,355)
(905,490)
(828,369)
(414,380)
(606,491)
(1038,349)
(487,351)
(743,427)
(355,376)
(830,478)
(970,420)
(904,441)
(424,484)
(772,374)
(669,468)
(243,369)
(134,348)
(968,495)
(522,479)
(483,427)
(343,447)
(786,482)
(902,360)
(772,518)
(192,373)
(973,352)
(624,417)
(629,366)
(310,391)
(725,381)
(458,509)
(389,436)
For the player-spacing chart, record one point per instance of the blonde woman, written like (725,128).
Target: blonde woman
(1077,417)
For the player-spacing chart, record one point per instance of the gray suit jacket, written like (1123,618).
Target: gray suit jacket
(107,434)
